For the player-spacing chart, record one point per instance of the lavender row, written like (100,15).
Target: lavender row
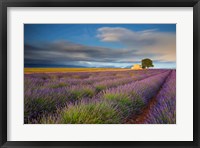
(42,101)
(102,85)
(112,106)
(82,75)
(37,83)
(136,94)
(34,81)
(164,111)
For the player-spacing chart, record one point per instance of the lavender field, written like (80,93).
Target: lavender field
(103,97)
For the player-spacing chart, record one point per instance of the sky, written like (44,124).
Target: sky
(99,45)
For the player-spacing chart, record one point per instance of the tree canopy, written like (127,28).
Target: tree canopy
(146,63)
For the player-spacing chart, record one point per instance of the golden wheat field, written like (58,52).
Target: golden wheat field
(55,70)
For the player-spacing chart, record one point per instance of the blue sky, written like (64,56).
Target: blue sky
(99,45)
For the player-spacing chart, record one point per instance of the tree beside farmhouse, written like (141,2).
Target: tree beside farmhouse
(146,63)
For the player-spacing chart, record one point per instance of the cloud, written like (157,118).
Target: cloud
(160,44)
(65,52)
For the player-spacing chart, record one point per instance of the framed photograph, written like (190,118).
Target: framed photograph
(105,73)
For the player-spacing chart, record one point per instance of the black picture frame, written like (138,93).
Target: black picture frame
(4,4)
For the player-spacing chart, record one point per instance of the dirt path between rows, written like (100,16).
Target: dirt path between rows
(140,118)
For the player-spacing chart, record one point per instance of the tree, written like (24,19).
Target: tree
(146,63)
